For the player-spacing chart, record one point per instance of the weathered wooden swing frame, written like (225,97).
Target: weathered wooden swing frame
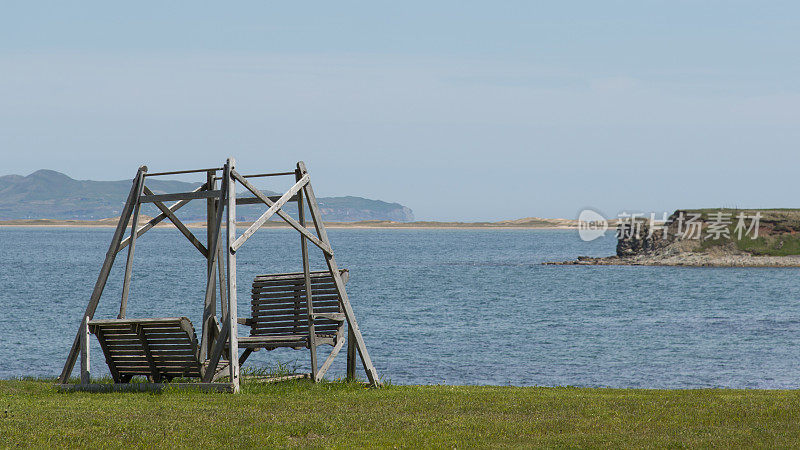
(215,339)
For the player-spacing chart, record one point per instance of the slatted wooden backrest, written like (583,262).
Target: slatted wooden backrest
(161,348)
(279,304)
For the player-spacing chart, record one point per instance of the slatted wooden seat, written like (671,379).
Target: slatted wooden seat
(160,349)
(280,312)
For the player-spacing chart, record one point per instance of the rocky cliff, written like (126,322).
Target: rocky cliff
(708,237)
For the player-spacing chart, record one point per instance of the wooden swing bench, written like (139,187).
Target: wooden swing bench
(166,348)
(160,349)
(294,310)
(280,313)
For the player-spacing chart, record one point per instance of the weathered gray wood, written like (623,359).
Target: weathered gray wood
(276,329)
(290,288)
(271,174)
(245,354)
(233,352)
(156,220)
(85,363)
(100,285)
(351,355)
(126,283)
(291,313)
(269,297)
(223,290)
(134,347)
(179,225)
(265,312)
(285,288)
(106,352)
(216,352)
(280,319)
(258,201)
(272,323)
(154,373)
(287,337)
(338,317)
(154,321)
(177,172)
(264,325)
(269,213)
(312,332)
(372,374)
(329,360)
(272,301)
(298,276)
(290,329)
(299,341)
(287,218)
(210,302)
(214,234)
(178,196)
(285,306)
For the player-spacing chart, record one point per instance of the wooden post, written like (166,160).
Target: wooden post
(210,304)
(85,366)
(233,355)
(100,285)
(351,355)
(126,283)
(223,289)
(313,207)
(217,345)
(312,335)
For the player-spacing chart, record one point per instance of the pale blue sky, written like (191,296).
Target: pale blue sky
(460,109)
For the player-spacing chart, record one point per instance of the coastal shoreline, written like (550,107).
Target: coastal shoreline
(328,226)
(559,224)
(686,260)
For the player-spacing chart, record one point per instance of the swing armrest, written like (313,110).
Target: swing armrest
(246,321)
(336,317)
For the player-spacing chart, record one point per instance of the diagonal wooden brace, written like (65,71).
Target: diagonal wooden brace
(178,224)
(100,285)
(216,351)
(329,360)
(274,208)
(156,220)
(303,230)
(352,325)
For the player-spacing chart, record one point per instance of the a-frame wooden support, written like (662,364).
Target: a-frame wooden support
(353,331)
(100,285)
(219,338)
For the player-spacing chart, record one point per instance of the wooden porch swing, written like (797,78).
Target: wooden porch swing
(295,310)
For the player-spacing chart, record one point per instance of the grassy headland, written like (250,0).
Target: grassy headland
(301,414)
(778,233)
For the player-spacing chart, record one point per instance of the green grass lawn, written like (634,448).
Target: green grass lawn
(301,414)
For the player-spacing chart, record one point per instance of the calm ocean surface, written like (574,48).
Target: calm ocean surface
(438,306)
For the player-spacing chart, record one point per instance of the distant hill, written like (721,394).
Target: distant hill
(47,194)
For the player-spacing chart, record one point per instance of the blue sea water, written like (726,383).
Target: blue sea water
(438,306)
